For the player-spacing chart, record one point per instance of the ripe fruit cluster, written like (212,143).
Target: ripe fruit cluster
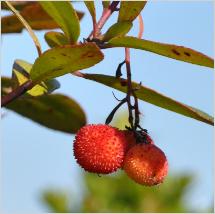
(103,149)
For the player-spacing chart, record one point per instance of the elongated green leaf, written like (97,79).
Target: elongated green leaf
(64,14)
(129,10)
(21,70)
(91,7)
(55,111)
(172,51)
(36,17)
(55,39)
(66,59)
(117,29)
(105,4)
(153,97)
(27,26)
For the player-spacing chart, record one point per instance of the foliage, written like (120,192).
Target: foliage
(67,54)
(117,193)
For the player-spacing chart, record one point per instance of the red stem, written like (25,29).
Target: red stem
(105,16)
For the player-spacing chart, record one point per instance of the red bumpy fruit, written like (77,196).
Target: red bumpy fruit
(146,164)
(100,148)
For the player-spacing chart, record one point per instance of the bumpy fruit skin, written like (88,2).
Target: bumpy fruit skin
(131,141)
(146,164)
(99,148)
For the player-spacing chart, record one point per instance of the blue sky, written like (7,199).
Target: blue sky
(35,158)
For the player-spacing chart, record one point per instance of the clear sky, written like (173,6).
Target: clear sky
(35,158)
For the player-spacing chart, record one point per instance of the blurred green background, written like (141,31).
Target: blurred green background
(118,193)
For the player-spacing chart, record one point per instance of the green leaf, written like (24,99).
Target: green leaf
(55,111)
(55,39)
(117,29)
(66,59)
(153,97)
(27,26)
(91,7)
(58,201)
(105,4)
(64,14)
(21,70)
(129,10)
(36,17)
(172,51)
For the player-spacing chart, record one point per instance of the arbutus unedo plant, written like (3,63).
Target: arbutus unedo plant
(98,148)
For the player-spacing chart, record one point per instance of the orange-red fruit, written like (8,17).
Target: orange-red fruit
(146,164)
(99,148)
(131,140)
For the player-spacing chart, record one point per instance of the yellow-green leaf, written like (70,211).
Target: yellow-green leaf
(172,51)
(55,39)
(21,70)
(36,17)
(66,59)
(117,29)
(54,111)
(151,96)
(129,10)
(64,14)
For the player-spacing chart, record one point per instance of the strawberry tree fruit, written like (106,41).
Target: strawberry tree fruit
(100,148)
(146,164)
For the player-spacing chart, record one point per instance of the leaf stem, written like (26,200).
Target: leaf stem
(129,86)
(141,26)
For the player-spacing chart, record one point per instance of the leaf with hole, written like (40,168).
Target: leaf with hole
(172,51)
(129,10)
(54,111)
(151,96)
(117,29)
(66,59)
(21,70)
(64,14)
(36,17)
(55,39)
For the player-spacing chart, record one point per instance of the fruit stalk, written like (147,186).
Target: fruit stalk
(131,92)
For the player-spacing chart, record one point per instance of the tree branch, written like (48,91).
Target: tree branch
(16,93)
